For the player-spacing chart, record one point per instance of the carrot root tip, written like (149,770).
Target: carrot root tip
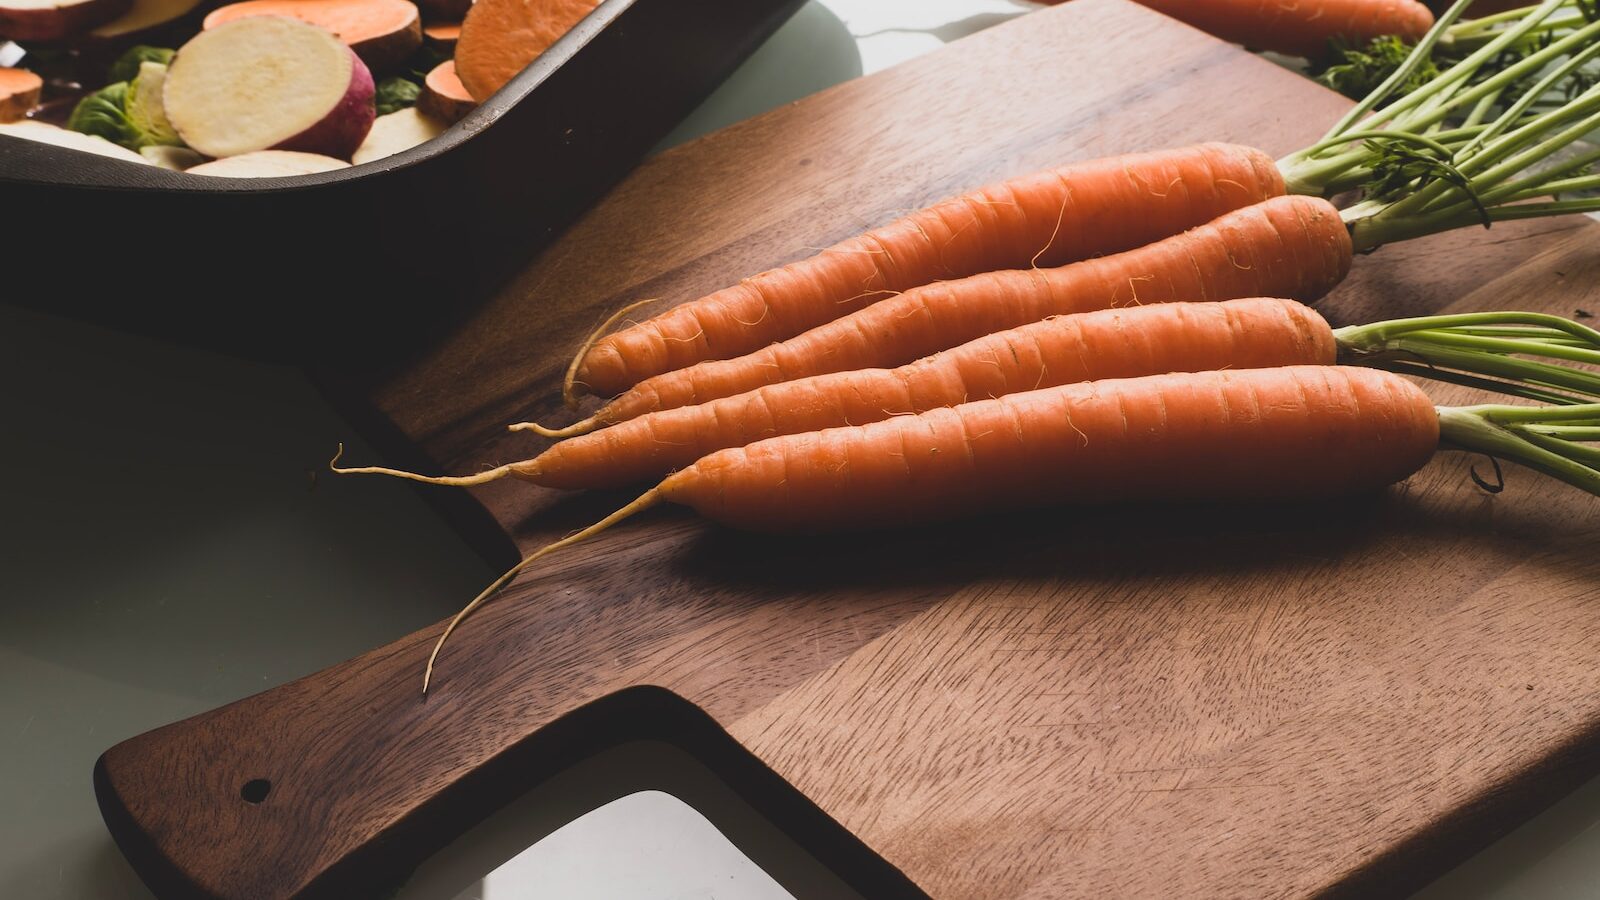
(573,430)
(446,480)
(570,382)
(645,501)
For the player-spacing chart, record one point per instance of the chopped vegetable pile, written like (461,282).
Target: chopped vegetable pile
(258,88)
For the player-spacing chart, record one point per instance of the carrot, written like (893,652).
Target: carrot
(19,93)
(1047,219)
(1305,28)
(443,97)
(1290,246)
(1292,433)
(382,32)
(1116,343)
(500,37)
(1521,354)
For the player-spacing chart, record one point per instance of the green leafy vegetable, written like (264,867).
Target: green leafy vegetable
(126,68)
(395,94)
(147,113)
(130,115)
(104,114)
(1356,71)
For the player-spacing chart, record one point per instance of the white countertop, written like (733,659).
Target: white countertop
(166,551)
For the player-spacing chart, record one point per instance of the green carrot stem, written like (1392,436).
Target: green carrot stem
(1513,369)
(1432,143)
(1481,179)
(1514,113)
(1372,336)
(1481,24)
(1577,452)
(1489,430)
(1370,228)
(1461,73)
(1421,114)
(1419,56)
(1503,345)
(1477,382)
(1516,362)
(1568,432)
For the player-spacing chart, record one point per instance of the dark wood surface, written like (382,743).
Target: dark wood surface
(1135,702)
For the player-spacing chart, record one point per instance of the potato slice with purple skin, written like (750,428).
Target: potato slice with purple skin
(382,32)
(145,19)
(269,83)
(45,133)
(269,164)
(52,20)
(19,92)
(397,132)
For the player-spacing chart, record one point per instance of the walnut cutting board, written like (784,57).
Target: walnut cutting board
(1134,702)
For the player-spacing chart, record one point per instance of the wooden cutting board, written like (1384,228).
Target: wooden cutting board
(1133,702)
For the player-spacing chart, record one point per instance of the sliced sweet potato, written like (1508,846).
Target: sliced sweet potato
(52,20)
(442,35)
(382,32)
(443,95)
(19,92)
(500,37)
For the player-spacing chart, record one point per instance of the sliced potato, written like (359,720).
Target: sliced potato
(49,134)
(400,130)
(269,164)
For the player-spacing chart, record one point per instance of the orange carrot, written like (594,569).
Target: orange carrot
(1296,432)
(1047,219)
(1292,246)
(382,32)
(1291,433)
(1300,27)
(1116,343)
(500,37)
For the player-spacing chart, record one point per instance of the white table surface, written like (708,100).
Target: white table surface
(165,552)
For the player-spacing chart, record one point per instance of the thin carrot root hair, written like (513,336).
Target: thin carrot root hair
(583,426)
(1062,214)
(867,293)
(868,251)
(446,480)
(569,393)
(645,501)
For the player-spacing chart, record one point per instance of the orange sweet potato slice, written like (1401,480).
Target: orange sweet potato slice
(500,37)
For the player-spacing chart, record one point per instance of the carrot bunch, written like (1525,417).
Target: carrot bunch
(1130,329)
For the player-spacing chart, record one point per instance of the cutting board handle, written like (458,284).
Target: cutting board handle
(340,783)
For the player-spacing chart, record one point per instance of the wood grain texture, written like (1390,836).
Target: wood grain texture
(1134,702)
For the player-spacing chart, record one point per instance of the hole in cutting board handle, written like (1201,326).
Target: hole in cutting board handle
(255,790)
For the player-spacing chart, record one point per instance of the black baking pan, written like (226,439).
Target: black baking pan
(364,264)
